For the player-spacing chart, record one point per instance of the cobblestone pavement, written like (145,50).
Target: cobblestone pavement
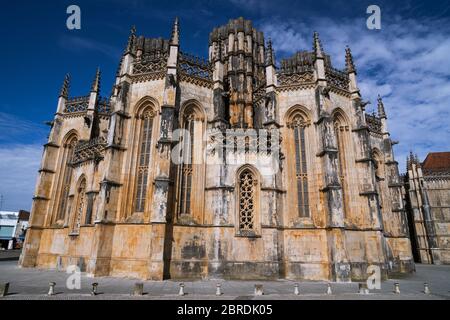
(34,283)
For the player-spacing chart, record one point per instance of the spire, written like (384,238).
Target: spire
(412,159)
(417,161)
(131,39)
(96,83)
(317,46)
(64,93)
(409,160)
(381,111)
(270,56)
(175,38)
(350,66)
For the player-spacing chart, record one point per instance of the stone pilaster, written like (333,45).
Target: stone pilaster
(161,209)
(332,190)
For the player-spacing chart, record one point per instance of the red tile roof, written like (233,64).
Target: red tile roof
(437,161)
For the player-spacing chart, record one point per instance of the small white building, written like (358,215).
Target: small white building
(12,228)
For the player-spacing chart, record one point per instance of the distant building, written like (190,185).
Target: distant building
(428,205)
(13,227)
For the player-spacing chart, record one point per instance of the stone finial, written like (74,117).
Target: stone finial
(175,38)
(412,159)
(64,93)
(409,160)
(96,83)
(270,56)
(131,39)
(381,111)
(317,46)
(349,64)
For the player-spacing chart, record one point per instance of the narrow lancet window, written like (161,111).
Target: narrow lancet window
(144,154)
(186,166)
(69,149)
(301,168)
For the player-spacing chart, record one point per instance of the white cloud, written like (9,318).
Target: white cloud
(19,165)
(20,155)
(80,44)
(406,62)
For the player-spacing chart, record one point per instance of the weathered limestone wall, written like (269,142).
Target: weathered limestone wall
(306,254)
(210,252)
(131,250)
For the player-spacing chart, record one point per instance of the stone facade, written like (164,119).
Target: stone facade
(225,168)
(428,204)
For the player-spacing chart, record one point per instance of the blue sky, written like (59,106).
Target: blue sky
(407,61)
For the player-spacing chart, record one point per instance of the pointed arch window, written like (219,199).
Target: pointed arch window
(81,204)
(187,156)
(69,149)
(298,127)
(247,202)
(144,154)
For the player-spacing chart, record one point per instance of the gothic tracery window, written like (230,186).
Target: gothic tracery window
(298,126)
(144,154)
(187,153)
(69,148)
(247,202)
(190,178)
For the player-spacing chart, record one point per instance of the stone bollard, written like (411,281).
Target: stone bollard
(363,288)
(4,287)
(181,292)
(94,289)
(138,289)
(218,290)
(296,291)
(51,289)
(259,290)
(396,288)
(329,291)
(426,289)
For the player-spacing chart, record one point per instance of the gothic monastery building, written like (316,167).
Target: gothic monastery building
(234,168)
